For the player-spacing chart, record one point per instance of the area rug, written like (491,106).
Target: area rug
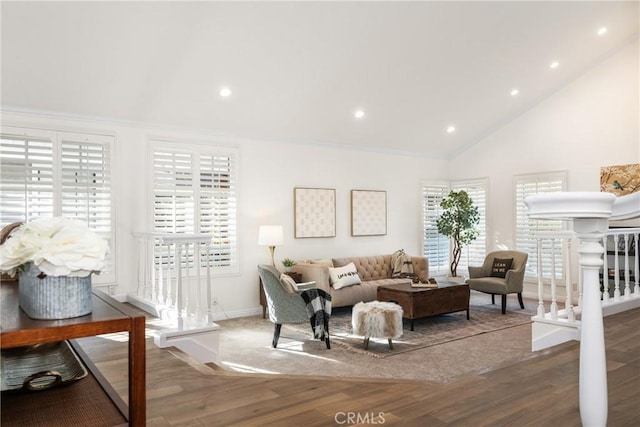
(427,332)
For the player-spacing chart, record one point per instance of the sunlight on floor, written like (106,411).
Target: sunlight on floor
(124,336)
(244,368)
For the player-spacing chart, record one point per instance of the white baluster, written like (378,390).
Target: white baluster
(197,259)
(636,289)
(580,288)
(554,303)
(169,298)
(571,315)
(627,289)
(179,297)
(150,270)
(616,274)
(209,308)
(605,273)
(540,287)
(160,293)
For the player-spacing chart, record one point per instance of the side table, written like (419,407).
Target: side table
(263,299)
(108,316)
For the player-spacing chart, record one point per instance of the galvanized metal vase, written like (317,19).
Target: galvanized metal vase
(53,297)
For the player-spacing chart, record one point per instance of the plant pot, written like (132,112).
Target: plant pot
(287,269)
(53,297)
(456,279)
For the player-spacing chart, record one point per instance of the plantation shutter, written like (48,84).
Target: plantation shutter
(435,246)
(218,205)
(26,175)
(48,173)
(195,191)
(474,253)
(173,192)
(526,228)
(85,181)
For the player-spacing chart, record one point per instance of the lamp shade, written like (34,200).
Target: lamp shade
(270,235)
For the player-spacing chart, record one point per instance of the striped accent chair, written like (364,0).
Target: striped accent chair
(283,307)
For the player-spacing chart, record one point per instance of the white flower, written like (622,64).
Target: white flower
(58,246)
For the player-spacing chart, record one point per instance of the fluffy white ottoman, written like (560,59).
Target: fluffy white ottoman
(377,319)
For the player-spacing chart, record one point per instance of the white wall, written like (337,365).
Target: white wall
(591,122)
(268,173)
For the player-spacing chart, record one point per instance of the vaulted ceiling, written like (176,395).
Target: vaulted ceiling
(298,71)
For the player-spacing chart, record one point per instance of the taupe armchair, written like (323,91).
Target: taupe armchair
(481,278)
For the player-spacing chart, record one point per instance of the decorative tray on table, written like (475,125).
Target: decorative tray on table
(39,367)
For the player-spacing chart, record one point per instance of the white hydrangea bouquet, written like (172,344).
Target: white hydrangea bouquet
(57,246)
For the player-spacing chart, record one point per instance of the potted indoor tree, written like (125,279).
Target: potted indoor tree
(457,221)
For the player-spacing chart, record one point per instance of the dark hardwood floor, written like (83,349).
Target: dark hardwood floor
(539,391)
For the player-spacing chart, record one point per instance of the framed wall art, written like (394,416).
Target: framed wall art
(620,179)
(368,213)
(314,212)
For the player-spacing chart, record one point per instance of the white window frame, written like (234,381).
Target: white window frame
(197,150)
(475,252)
(525,228)
(57,191)
(435,246)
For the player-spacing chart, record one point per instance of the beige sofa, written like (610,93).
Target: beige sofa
(374,271)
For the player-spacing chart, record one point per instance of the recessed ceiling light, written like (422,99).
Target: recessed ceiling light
(555,64)
(225,91)
(451,129)
(514,92)
(359,114)
(602,31)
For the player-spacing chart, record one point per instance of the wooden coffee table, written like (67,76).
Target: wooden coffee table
(424,302)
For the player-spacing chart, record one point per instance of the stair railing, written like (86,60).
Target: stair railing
(174,276)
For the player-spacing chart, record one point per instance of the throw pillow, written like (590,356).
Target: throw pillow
(344,276)
(500,267)
(288,283)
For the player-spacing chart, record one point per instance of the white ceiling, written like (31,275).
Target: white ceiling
(299,70)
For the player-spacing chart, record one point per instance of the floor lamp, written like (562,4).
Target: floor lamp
(270,235)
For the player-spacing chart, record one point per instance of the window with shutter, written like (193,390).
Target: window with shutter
(435,246)
(49,173)
(26,175)
(526,228)
(475,252)
(194,191)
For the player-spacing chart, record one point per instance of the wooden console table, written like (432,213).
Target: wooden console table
(108,316)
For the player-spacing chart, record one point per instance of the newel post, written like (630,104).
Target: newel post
(593,363)
(590,213)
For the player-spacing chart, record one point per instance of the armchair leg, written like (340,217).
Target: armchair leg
(276,334)
(520,300)
(326,340)
(504,304)
(493,299)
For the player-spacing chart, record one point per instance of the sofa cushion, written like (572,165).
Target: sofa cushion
(344,276)
(369,268)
